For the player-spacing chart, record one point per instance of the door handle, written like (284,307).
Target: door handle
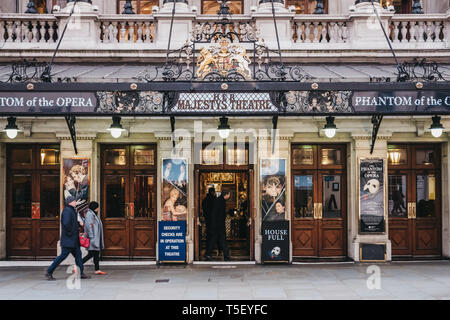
(127,216)
(319,211)
(411,210)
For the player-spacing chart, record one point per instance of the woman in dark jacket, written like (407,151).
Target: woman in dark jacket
(93,229)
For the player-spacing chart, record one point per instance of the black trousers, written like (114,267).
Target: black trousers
(216,237)
(96,255)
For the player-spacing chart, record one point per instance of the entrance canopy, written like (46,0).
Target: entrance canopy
(105,90)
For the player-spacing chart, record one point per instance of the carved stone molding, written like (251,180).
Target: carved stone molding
(80,137)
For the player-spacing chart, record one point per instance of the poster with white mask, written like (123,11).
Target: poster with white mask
(371,196)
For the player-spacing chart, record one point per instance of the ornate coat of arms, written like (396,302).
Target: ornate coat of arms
(224,59)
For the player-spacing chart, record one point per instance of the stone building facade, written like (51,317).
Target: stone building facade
(345,45)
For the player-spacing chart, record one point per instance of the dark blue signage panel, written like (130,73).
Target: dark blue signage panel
(172,241)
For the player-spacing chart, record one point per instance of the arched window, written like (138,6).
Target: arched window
(305,6)
(139,6)
(401,6)
(212,7)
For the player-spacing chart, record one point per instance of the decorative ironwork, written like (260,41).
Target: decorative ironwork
(420,71)
(129,102)
(319,101)
(29,71)
(225,50)
(71,120)
(376,123)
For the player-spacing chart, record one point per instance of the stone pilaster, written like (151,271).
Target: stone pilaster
(2,201)
(360,150)
(183,150)
(445,199)
(86,150)
(282,150)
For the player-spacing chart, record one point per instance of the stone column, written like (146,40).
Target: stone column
(365,30)
(2,201)
(180,6)
(182,25)
(264,150)
(83,27)
(445,200)
(266,27)
(361,147)
(166,151)
(266,6)
(86,150)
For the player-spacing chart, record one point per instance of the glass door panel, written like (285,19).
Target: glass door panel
(425,196)
(331,196)
(115,196)
(303,196)
(144,196)
(21,196)
(398,196)
(49,196)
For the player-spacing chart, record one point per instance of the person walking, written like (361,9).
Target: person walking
(93,229)
(70,239)
(208,207)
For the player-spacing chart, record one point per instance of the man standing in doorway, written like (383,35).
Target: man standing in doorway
(215,224)
(70,239)
(208,207)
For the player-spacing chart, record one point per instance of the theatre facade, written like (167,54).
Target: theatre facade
(331,151)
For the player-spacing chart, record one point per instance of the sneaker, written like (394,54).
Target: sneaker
(85,276)
(100,272)
(49,277)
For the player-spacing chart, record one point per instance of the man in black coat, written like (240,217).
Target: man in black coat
(208,207)
(216,231)
(70,239)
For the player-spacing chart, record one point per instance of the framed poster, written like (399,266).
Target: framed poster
(76,182)
(174,190)
(371,196)
(273,189)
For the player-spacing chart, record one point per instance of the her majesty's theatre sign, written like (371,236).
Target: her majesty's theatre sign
(294,102)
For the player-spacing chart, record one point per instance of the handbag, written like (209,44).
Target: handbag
(84,241)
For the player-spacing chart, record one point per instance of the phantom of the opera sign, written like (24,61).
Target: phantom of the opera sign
(144,103)
(371,196)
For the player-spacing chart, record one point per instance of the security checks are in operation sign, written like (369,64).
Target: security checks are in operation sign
(172,241)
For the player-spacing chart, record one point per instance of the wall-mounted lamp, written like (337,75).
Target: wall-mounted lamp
(436,127)
(11,128)
(116,128)
(224,128)
(330,127)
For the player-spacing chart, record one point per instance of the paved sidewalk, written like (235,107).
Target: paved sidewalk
(403,280)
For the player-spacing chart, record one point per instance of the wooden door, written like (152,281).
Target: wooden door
(115,209)
(319,209)
(332,213)
(414,200)
(33,200)
(304,213)
(400,212)
(427,213)
(142,217)
(129,200)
